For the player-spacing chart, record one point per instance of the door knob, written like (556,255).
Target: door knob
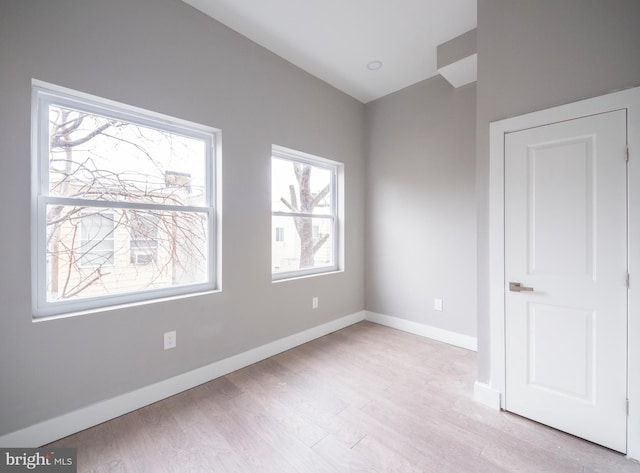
(518,287)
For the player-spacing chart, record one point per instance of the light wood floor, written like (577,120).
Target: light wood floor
(364,399)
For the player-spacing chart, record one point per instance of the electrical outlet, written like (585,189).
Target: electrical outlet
(437,305)
(169,340)
(314,303)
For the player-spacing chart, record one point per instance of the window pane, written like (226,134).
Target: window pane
(144,236)
(100,158)
(307,243)
(90,251)
(96,244)
(299,187)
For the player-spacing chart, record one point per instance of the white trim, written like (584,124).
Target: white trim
(627,99)
(160,119)
(484,394)
(290,154)
(83,418)
(435,333)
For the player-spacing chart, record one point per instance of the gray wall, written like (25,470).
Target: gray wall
(458,48)
(421,223)
(164,56)
(421,241)
(535,54)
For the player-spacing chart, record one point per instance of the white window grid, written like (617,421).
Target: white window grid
(45,95)
(334,167)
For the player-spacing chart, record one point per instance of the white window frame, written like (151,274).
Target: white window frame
(44,95)
(336,170)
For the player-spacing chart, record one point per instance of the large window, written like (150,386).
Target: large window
(304,214)
(124,207)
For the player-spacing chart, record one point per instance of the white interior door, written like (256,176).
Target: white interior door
(566,240)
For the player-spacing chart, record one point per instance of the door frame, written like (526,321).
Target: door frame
(627,99)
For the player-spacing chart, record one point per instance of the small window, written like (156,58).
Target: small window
(124,207)
(96,244)
(304,214)
(144,237)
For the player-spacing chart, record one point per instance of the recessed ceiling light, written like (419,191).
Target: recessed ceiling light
(374,65)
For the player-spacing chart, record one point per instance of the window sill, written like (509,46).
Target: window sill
(45,318)
(295,277)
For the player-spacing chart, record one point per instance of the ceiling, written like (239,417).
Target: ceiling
(335,40)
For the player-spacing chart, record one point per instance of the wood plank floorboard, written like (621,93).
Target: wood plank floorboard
(364,399)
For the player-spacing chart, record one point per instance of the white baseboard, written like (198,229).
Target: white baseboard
(441,335)
(485,394)
(72,422)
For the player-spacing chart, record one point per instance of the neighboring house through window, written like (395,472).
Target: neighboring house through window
(144,238)
(96,244)
(124,206)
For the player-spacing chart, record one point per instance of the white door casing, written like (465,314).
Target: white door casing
(490,389)
(566,240)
